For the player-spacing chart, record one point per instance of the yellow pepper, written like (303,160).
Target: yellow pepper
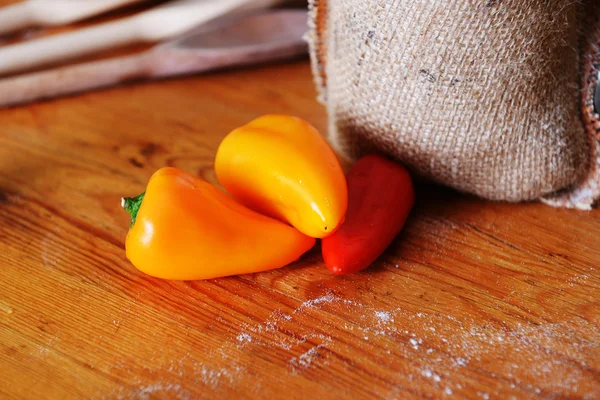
(185,228)
(281,166)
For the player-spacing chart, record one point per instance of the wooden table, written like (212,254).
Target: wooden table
(473,300)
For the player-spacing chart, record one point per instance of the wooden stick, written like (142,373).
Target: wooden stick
(53,13)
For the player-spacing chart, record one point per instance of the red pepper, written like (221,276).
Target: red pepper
(380,198)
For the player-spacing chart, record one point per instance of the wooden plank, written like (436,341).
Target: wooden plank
(473,300)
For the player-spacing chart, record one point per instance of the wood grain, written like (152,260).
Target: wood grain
(473,300)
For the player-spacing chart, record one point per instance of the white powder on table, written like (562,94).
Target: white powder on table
(443,345)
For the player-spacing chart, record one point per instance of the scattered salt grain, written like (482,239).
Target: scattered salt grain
(305,359)
(460,361)
(384,317)
(328,298)
(244,337)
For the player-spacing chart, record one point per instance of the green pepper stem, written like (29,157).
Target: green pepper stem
(132,206)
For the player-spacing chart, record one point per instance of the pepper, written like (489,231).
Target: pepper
(380,198)
(184,228)
(281,166)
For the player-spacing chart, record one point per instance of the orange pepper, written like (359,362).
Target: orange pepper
(185,228)
(281,166)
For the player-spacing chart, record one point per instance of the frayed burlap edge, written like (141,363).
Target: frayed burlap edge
(317,20)
(585,194)
(317,44)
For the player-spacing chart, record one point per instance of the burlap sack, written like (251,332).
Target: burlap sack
(490,97)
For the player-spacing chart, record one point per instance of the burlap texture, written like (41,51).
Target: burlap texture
(490,97)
